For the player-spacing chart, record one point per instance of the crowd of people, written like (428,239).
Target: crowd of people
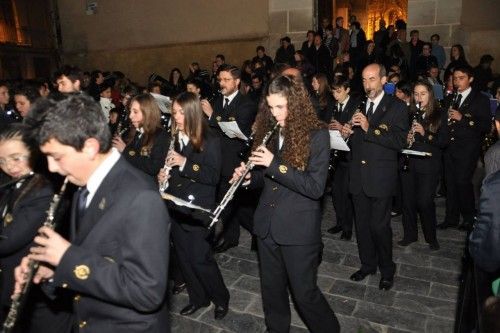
(416,124)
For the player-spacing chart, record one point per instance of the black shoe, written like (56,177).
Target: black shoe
(360,275)
(178,288)
(446,225)
(434,246)
(386,283)
(220,311)
(191,308)
(405,242)
(335,230)
(346,235)
(223,246)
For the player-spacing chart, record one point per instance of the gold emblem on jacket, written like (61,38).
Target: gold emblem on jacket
(196,167)
(384,127)
(82,272)
(8,218)
(218,118)
(430,137)
(377,131)
(131,153)
(231,119)
(283,168)
(471,123)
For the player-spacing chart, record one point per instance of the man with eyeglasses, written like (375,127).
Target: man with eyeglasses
(231,105)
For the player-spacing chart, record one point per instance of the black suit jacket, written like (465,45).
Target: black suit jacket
(118,259)
(151,161)
(465,136)
(198,178)
(27,214)
(243,111)
(289,206)
(344,117)
(431,142)
(374,154)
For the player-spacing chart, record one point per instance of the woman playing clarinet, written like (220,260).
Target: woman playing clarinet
(292,171)
(195,165)
(420,179)
(23,205)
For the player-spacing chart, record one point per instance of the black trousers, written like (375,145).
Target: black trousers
(342,201)
(374,233)
(418,199)
(459,191)
(296,267)
(203,278)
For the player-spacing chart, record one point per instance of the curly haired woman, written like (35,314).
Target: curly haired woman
(292,172)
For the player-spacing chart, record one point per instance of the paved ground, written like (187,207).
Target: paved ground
(423,298)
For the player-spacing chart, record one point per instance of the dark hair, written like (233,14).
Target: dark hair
(461,53)
(414,32)
(464,69)
(436,36)
(356,24)
(310,32)
(286,39)
(30,91)
(489,320)
(260,48)
(195,124)
(400,24)
(340,81)
(4,84)
(432,119)
(221,57)
(195,82)
(233,70)
(405,87)
(427,44)
(151,118)
(73,73)
(74,120)
(103,86)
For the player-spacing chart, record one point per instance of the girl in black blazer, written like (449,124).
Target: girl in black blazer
(147,143)
(420,177)
(195,167)
(292,172)
(23,205)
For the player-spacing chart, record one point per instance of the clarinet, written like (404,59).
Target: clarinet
(164,184)
(19,299)
(361,108)
(453,105)
(234,186)
(413,122)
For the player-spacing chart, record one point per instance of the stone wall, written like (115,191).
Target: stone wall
(472,23)
(290,18)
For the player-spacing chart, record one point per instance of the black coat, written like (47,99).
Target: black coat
(243,111)
(374,154)
(465,136)
(117,263)
(150,161)
(26,216)
(324,113)
(198,178)
(289,206)
(344,117)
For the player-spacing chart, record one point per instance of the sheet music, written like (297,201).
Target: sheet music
(164,102)
(415,152)
(231,129)
(337,142)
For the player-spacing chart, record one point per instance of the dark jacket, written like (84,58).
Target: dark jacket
(374,154)
(243,111)
(484,241)
(289,207)
(117,263)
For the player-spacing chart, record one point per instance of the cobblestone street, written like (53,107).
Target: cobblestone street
(423,298)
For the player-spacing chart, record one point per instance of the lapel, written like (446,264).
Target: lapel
(466,102)
(100,204)
(229,111)
(380,111)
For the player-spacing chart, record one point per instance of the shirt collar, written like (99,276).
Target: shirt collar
(344,103)
(100,173)
(376,101)
(232,96)
(184,139)
(464,94)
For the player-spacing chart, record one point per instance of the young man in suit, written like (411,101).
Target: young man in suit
(115,263)
(346,105)
(230,106)
(378,133)
(468,120)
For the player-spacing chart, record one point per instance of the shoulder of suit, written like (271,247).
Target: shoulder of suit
(132,178)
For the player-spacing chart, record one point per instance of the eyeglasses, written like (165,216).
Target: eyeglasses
(13,159)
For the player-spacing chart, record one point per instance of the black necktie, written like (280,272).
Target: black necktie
(457,102)
(226,103)
(82,203)
(369,113)
(340,107)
